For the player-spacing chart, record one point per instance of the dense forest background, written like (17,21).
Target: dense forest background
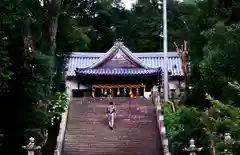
(36,36)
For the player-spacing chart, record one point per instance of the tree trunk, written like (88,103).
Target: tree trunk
(49,33)
(52,7)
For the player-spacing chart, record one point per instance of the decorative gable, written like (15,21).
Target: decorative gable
(118,60)
(119,56)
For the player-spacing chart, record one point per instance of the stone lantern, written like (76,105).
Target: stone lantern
(31,147)
(192,149)
(227,141)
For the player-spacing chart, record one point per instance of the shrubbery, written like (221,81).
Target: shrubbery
(50,114)
(203,126)
(58,106)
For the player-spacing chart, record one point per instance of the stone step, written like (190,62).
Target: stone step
(135,131)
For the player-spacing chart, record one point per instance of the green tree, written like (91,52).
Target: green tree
(220,58)
(206,26)
(220,119)
(203,125)
(29,47)
(183,125)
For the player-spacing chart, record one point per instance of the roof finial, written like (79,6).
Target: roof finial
(118,42)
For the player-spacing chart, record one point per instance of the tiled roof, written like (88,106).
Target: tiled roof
(156,60)
(150,59)
(117,71)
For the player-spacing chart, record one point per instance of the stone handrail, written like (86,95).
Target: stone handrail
(61,134)
(160,122)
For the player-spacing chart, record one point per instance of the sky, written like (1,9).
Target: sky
(128,3)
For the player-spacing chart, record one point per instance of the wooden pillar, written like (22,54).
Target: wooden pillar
(102,92)
(110,92)
(105,92)
(137,92)
(118,91)
(143,87)
(124,92)
(159,79)
(78,79)
(93,92)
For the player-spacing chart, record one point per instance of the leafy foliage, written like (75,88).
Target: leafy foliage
(33,67)
(203,126)
(221,119)
(218,52)
(5,73)
(58,106)
(213,49)
(183,125)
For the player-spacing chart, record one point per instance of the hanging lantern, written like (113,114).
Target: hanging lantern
(118,92)
(105,92)
(131,93)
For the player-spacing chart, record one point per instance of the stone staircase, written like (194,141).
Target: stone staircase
(135,131)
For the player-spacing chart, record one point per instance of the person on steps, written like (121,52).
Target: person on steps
(111,114)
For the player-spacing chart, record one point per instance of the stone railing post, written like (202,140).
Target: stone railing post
(192,149)
(1,137)
(160,120)
(31,147)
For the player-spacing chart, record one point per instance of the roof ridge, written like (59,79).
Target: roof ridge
(135,55)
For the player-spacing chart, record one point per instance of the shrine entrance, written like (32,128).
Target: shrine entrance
(117,90)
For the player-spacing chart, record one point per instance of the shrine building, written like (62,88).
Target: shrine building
(120,71)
